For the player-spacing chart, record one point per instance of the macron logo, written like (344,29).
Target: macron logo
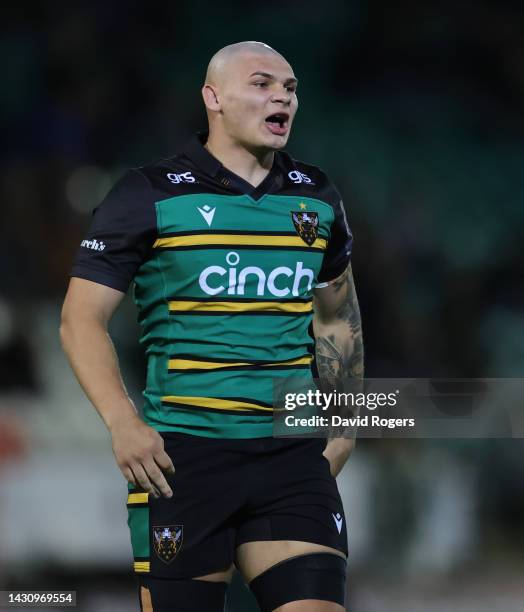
(338,521)
(208,213)
(94,245)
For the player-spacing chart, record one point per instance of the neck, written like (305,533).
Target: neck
(251,165)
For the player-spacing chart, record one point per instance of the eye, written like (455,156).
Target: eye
(291,88)
(260,84)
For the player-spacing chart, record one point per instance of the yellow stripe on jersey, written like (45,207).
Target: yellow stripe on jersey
(138,498)
(189,364)
(141,566)
(238,306)
(236,240)
(216,403)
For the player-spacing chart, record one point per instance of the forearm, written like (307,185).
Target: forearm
(339,352)
(94,362)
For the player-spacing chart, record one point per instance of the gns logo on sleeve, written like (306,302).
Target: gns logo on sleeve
(298,177)
(185,177)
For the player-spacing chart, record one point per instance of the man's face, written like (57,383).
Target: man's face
(258,100)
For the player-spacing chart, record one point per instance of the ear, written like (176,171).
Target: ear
(210,95)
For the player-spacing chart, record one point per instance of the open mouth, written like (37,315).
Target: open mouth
(277,123)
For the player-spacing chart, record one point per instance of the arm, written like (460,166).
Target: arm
(339,346)
(138,448)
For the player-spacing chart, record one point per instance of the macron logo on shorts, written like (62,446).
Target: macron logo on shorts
(94,245)
(338,521)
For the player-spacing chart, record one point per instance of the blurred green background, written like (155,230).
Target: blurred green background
(415,110)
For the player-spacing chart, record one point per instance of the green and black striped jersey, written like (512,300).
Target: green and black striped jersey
(223,280)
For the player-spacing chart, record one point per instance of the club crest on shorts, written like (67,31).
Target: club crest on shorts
(306,224)
(167,541)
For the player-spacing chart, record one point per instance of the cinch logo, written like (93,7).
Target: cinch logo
(217,279)
(185,177)
(93,245)
(298,177)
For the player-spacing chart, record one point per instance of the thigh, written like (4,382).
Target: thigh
(254,558)
(310,605)
(292,544)
(191,534)
(295,502)
(294,576)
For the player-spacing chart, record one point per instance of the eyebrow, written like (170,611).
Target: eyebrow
(271,76)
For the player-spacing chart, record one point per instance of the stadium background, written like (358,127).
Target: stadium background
(415,110)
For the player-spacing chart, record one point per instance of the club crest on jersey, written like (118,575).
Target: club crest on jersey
(167,541)
(306,224)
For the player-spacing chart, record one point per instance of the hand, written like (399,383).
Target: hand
(337,453)
(140,455)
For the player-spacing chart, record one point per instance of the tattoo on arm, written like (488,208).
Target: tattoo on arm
(336,356)
(329,358)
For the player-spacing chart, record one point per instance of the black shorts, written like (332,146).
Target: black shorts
(228,492)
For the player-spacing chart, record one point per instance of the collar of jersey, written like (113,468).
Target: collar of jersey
(202,158)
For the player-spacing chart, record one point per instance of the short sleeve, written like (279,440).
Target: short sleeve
(121,234)
(338,252)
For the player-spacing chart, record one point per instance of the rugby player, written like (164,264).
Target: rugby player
(236,252)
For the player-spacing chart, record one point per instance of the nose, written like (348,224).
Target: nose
(282,96)
(283,99)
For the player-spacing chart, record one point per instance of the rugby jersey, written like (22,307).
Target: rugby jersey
(223,276)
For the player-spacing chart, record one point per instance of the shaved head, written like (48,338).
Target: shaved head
(250,97)
(222,63)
